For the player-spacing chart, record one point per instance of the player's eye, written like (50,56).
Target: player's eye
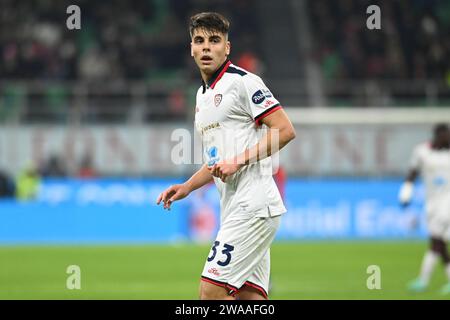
(215,40)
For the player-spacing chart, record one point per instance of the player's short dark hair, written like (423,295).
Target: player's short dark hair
(440,128)
(210,21)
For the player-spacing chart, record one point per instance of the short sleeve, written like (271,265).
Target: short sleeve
(258,100)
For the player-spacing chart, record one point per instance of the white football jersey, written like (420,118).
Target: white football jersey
(434,166)
(228,113)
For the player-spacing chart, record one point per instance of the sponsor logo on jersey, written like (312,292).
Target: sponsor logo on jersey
(267,93)
(439,181)
(217,99)
(214,271)
(258,97)
(268,103)
(211,154)
(261,95)
(210,126)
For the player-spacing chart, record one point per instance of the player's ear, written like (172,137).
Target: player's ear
(228,48)
(192,50)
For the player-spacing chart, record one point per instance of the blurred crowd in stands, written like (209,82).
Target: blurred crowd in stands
(139,39)
(413,43)
(134,55)
(134,39)
(120,43)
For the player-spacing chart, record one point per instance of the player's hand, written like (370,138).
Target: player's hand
(171,194)
(223,170)
(405,194)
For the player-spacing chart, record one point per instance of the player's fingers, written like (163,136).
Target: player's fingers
(168,194)
(224,177)
(159,198)
(175,197)
(162,196)
(167,204)
(171,200)
(221,174)
(165,198)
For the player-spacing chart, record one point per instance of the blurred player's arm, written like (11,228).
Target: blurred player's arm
(180,191)
(280,132)
(407,188)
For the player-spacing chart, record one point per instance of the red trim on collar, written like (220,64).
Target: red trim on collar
(220,74)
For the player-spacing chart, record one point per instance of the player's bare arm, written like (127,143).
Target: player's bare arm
(181,191)
(280,128)
(407,189)
(412,175)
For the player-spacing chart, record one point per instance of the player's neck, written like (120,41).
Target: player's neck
(206,77)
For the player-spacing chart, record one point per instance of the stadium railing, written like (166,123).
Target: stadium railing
(113,102)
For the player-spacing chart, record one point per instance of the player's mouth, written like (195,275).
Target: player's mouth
(206,60)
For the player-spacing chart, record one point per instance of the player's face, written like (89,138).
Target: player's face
(209,50)
(442,138)
(445,137)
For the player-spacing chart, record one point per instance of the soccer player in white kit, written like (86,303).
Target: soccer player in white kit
(231,106)
(432,161)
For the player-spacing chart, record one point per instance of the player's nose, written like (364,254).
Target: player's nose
(206,46)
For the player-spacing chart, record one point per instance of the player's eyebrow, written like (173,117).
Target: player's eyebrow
(198,38)
(214,37)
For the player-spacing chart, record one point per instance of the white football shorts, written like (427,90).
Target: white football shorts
(438,219)
(240,254)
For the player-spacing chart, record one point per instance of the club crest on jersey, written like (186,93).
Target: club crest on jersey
(217,99)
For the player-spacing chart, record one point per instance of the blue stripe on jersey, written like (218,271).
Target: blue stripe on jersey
(234,70)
